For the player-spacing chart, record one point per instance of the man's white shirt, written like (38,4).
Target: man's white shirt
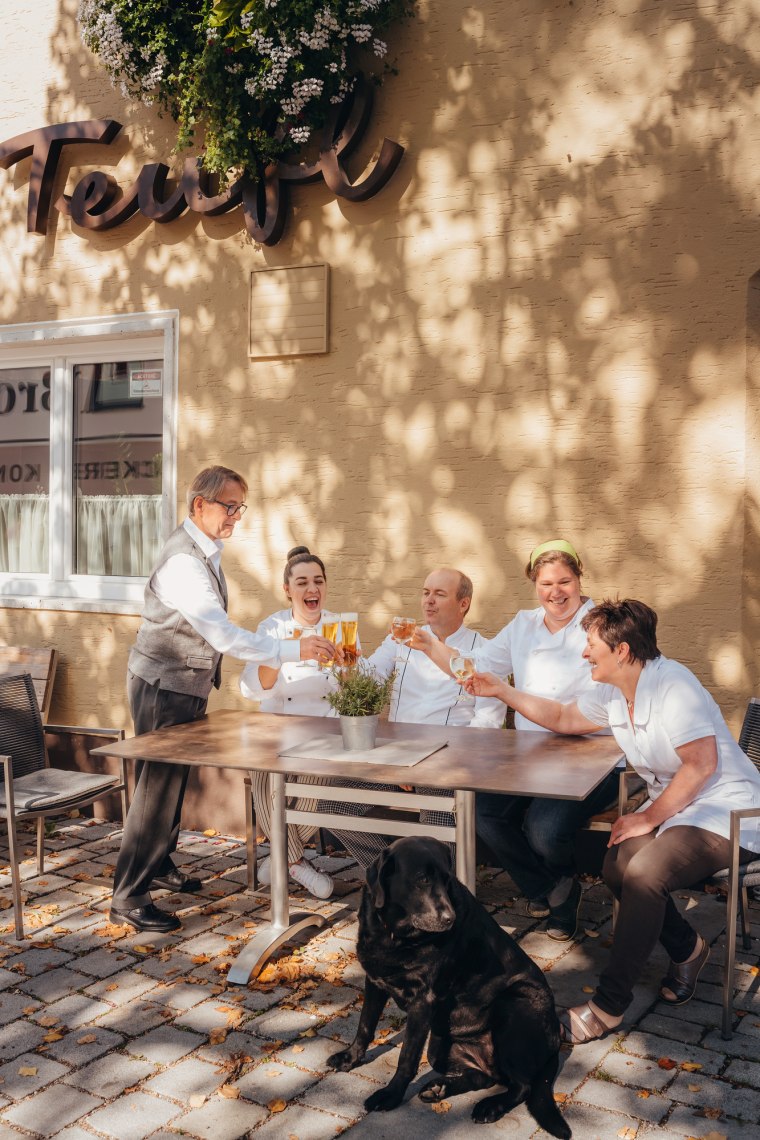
(183,584)
(424,694)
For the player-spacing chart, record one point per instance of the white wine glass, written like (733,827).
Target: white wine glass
(462,669)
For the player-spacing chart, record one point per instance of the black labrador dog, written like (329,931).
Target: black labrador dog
(425,941)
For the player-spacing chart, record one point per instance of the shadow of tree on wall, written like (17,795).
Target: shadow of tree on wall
(539,327)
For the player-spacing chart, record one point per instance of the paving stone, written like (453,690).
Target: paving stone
(283,1023)
(77,1010)
(649,1045)
(8,978)
(684,1124)
(12,1006)
(172,966)
(746,1073)
(55,984)
(126,986)
(35,961)
(620,1098)
(103,963)
(181,996)
(706,1092)
(187,1078)
(222,1119)
(341,1093)
(235,1043)
(133,1020)
(298,1120)
(17,1086)
(272,1081)
(110,1075)
(740,1045)
(133,1117)
(20,1036)
(671,1027)
(309,1053)
(77,1050)
(46,1113)
(164,1044)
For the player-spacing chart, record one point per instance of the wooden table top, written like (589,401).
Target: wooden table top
(475,759)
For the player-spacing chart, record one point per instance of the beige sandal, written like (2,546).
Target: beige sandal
(581,1024)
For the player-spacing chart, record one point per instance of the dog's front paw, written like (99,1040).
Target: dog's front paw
(433,1090)
(384,1100)
(345,1060)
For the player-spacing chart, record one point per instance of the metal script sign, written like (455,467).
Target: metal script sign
(98,203)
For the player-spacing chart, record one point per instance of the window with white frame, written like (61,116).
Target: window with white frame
(87,455)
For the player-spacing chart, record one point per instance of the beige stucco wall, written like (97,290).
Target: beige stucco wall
(540,326)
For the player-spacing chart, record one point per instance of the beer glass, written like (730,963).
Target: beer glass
(349,632)
(330,625)
(402,629)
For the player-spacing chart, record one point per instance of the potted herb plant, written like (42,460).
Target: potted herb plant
(359,698)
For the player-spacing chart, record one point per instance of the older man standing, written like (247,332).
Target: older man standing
(423,694)
(173,665)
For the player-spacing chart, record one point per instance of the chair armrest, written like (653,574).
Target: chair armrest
(84,730)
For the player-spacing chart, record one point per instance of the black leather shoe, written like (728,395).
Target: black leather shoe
(176,881)
(146,918)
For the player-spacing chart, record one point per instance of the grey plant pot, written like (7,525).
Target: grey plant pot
(359,732)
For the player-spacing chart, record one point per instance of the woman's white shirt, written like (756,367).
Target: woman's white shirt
(543,663)
(672,709)
(301,687)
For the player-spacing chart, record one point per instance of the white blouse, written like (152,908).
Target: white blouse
(543,663)
(301,687)
(671,709)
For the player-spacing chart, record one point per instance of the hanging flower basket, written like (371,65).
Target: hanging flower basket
(247,81)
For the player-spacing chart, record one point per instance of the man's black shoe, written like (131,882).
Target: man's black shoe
(176,881)
(146,918)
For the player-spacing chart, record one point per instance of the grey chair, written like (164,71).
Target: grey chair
(739,876)
(31,789)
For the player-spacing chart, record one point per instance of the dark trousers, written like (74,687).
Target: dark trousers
(152,825)
(641,873)
(534,839)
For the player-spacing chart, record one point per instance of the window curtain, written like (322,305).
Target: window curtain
(116,535)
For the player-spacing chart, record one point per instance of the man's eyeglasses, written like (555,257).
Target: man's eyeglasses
(230,508)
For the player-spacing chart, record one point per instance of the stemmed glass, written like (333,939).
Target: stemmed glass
(402,629)
(462,668)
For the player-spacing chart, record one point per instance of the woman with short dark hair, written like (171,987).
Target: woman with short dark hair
(676,739)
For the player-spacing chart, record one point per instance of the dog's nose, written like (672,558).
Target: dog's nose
(446,918)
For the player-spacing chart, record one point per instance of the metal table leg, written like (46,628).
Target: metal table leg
(282,925)
(464,809)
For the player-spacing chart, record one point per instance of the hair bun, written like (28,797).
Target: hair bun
(298,550)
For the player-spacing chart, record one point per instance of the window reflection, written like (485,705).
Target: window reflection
(24,469)
(118,444)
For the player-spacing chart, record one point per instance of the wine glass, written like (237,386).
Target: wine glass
(402,629)
(462,668)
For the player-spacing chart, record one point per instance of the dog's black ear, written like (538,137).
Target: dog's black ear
(377,874)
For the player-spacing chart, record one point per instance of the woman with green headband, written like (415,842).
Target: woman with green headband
(542,648)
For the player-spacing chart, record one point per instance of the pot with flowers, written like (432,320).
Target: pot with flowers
(358,699)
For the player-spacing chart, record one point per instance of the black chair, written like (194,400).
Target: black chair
(31,789)
(739,876)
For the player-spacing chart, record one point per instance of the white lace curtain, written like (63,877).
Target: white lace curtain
(116,535)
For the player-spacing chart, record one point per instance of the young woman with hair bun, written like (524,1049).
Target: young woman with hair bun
(297,688)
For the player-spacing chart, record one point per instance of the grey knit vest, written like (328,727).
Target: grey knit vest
(168,651)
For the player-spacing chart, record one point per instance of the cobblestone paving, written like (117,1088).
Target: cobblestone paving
(109,1033)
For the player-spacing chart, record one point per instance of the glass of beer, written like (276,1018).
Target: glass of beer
(462,668)
(402,629)
(330,624)
(349,632)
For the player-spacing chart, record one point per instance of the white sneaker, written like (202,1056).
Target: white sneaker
(263,872)
(316,882)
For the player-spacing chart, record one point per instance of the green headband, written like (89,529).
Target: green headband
(555,544)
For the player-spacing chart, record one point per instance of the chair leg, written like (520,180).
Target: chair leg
(40,845)
(10,807)
(744,912)
(250,836)
(732,905)
(124,791)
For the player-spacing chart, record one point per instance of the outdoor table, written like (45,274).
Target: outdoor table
(473,760)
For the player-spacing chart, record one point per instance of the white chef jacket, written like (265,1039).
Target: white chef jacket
(543,663)
(424,694)
(301,688)
(671,709)
(183,584)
